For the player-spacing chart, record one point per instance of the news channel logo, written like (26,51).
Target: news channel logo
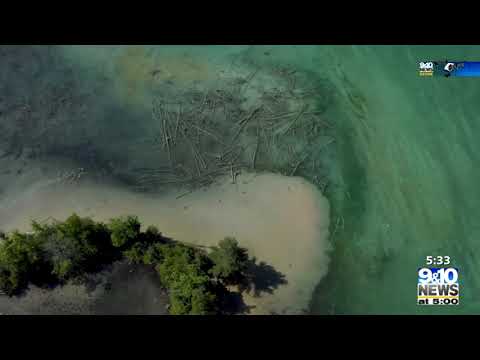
(425,68)
(438,286)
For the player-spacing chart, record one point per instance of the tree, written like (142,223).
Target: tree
(190,294)
(153,254)
(180,270)
(21,260)
(75,246)
(136,253)
(61,251)
(229,261)
(203,302)
(65,254)
(124,230)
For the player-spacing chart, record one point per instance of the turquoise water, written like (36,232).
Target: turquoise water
(404,180)
(408,164)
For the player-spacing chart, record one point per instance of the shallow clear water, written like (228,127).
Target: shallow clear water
(404,176)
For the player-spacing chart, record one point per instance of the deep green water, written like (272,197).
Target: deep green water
(409,166)
(404,178)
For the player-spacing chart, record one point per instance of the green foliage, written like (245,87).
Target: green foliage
(75,246)
(54,252)
(136,254)
(124,230)
(175,262)
(229,260)
(63,268)
(197,301)
(153,254)
(177,305)
(203,302)
(21,260)
(60,251)
(180,270)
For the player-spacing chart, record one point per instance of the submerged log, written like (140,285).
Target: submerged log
(244,122)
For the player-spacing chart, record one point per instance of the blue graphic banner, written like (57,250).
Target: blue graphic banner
(466,69)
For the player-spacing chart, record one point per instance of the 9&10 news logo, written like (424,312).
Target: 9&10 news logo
(438,286)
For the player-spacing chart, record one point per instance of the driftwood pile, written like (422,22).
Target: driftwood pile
(202,135)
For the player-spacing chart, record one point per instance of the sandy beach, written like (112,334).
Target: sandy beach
(282,221)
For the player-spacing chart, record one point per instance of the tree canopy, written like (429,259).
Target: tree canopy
(182,270)
(229,260)
(124,230)
(21,260)
(61,250)
(75,246)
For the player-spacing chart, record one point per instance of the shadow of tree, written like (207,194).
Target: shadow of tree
(257,278)
(233,304)
(261,278)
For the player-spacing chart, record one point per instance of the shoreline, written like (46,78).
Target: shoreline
(282,221)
